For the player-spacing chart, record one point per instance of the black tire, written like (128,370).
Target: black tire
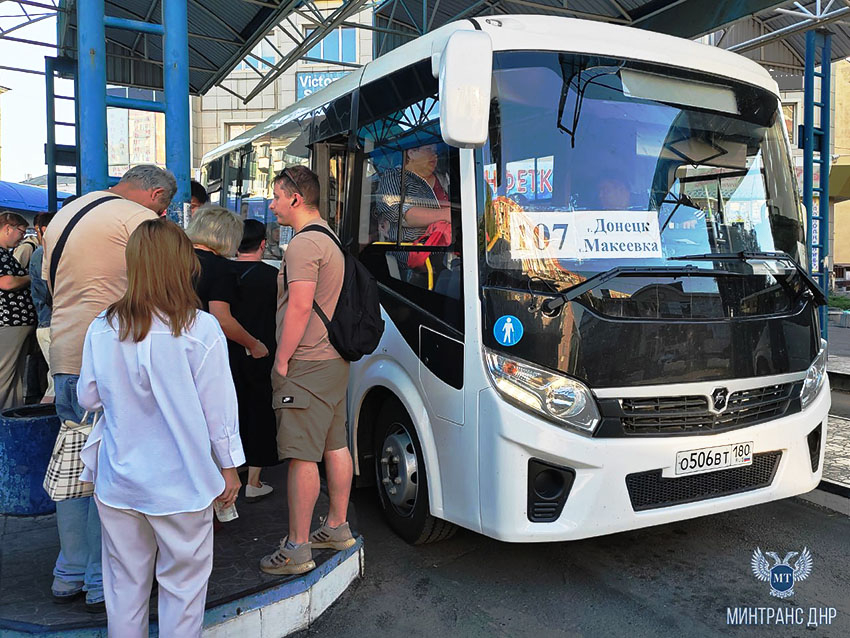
(407,511)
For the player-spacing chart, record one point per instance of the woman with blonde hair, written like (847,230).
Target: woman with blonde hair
(168,443)
(215,233)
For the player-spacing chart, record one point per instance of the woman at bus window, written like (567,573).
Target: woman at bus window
(254,307)
(215,233)
(425,201)
(167,445)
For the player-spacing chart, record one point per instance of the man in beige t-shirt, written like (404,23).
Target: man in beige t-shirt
(310,379)
(91,274)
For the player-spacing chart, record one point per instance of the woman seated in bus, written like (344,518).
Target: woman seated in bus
(215,233)
(425,201)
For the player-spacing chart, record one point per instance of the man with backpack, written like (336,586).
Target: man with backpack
(310,377)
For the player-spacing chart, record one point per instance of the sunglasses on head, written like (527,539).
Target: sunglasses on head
(286,174)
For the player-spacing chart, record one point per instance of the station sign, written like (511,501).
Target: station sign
(308,82)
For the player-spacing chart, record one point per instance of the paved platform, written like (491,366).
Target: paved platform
(241,601)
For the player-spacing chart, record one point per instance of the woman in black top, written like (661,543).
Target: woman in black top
(254,306)
(215,233)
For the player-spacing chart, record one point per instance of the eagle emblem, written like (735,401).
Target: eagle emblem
(782,576)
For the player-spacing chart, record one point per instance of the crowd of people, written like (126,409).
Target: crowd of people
(141,322)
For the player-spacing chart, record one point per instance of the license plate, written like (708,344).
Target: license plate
(709,459)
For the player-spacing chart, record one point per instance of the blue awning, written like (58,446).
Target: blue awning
(20,198)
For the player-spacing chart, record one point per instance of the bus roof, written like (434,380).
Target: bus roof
(531,32)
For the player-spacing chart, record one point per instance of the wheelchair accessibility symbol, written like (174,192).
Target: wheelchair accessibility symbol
(508,330)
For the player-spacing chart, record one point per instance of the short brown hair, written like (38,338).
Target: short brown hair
(9,218)
(42,220)
(301,180)
(161,269)
(216,228)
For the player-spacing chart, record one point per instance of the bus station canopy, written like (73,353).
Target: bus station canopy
(224,32)
(221,34)
(763,29)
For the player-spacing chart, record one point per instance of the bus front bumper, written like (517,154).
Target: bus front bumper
(599,501)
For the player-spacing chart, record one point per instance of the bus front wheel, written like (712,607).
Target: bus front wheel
(401,479)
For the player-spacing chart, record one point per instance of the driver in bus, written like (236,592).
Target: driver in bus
(613,194)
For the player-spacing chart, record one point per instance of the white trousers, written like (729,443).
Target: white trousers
(42,335)
(130,543)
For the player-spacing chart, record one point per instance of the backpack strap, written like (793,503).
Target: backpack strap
(329,233)
(324,231)
(63,238)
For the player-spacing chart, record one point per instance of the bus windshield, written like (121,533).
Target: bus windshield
(594,163)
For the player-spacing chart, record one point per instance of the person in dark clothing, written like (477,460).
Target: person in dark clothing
(198,198)
(254,306)
(215,233)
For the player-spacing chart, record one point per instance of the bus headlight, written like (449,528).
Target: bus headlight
(553,395)
(815,376)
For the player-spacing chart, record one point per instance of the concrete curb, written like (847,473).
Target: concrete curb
(274,612)
(289,607)
(833,496)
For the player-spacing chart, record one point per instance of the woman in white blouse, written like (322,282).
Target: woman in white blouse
(168,443)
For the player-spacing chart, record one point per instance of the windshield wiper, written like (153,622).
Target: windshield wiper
(573,292)
(744,255)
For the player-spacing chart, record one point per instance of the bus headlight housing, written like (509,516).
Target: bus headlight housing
(815,376)
(552,395)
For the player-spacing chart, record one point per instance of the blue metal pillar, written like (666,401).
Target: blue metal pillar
(816,139)
(176,83)
(91,73)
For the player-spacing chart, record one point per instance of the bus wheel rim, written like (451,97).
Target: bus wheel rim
(399,471)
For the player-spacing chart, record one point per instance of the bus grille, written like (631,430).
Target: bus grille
(649,490)
(690,414)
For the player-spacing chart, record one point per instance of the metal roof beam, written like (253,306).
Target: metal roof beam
(333,21)
(779,34)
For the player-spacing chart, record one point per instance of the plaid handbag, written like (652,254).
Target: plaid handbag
(62,480)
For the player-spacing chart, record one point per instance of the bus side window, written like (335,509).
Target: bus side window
(410,224)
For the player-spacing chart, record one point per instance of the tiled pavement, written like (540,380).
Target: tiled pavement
(836,464)
(29,545)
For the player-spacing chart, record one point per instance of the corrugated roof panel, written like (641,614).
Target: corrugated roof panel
(221,33)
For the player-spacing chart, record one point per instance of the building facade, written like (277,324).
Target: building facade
(220,116)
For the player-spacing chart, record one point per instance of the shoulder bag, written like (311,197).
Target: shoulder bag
(62,480)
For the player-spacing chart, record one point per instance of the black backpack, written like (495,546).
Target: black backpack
(356,326)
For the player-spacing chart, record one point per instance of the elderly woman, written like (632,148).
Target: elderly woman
(168,443)
(17,313)
(215,233)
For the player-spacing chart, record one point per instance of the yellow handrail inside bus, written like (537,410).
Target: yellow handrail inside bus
(428,267)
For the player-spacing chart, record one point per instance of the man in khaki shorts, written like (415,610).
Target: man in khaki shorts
(309,379)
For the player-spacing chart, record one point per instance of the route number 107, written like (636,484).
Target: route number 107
(541,236)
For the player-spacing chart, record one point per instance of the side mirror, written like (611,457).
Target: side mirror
(465,68)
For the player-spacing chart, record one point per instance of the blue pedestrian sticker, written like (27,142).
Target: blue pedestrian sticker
(508,330)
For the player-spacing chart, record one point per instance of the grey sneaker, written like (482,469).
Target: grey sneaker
(327,537)
(296,560)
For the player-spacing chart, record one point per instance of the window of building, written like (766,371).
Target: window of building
(267,58)
(340,45)
(789,112)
